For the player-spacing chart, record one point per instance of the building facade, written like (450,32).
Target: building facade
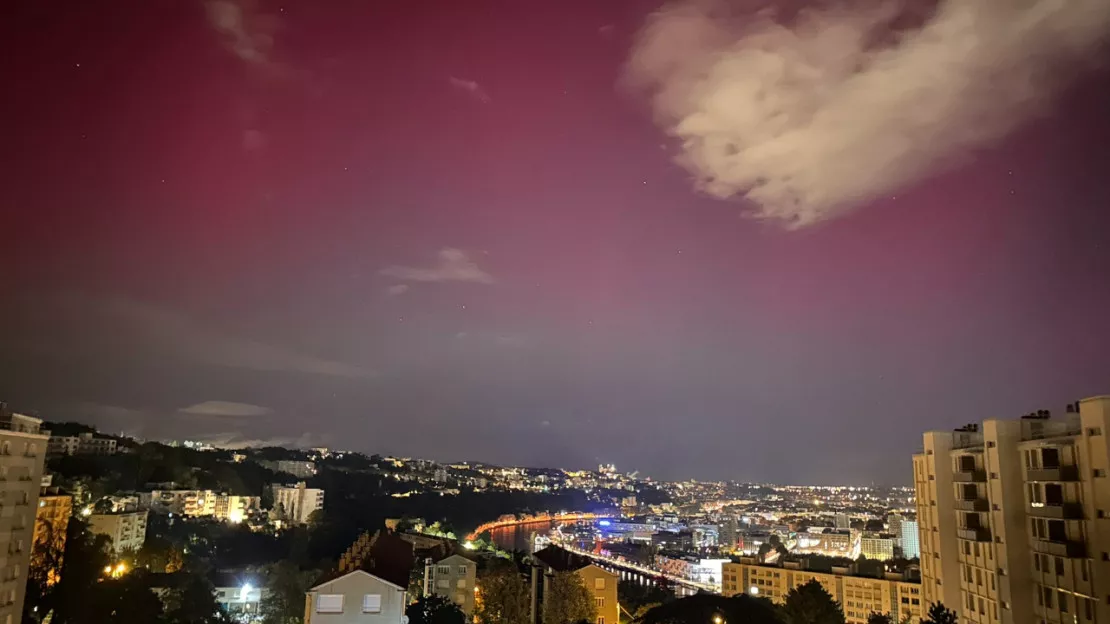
(1013,520)
(22,452)
(858,596)
(83,444)
(910,548)
(127,530)
(357,597)
(203,503)
(49,537)
(453,578)
(297,503)
(878,548)
(299,469)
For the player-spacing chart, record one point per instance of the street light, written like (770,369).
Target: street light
(718,619)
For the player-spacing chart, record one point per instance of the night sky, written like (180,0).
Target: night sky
(472,230)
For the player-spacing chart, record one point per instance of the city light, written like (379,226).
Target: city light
(87,511)
(754,591)
(235,516)
(244,592)
(469,545)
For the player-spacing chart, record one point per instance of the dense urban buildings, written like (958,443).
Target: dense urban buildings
(22,452)
(1012,516)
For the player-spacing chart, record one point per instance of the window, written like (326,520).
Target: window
(599,583)
(1099,472)
(1063,600)
(329,603)
(1094,431)
(443,569)
(600,620)
(462,570)
(599,601)
(372,603)
(1048,593)
(1059,566)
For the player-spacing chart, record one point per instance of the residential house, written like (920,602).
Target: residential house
(356,597)
(453,578)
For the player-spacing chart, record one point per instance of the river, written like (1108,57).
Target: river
(518,536)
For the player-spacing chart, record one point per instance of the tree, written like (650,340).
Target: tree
(705,608)
(634,596)
(127,599)
(939,614)
(879,618)
(435,610)
(811,604)
(285,590)
(567,600)
(85,558)
(194,602)
(502,598)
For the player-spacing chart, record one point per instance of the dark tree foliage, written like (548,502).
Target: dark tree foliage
(704,608)
(880,618)
(939,614)
(126,599)
(194,602)
(811,604)
(284,599)
(633,595)
(435,610)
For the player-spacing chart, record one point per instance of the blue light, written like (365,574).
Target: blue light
(603,523)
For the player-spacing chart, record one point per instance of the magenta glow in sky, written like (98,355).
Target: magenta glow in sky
(448,232)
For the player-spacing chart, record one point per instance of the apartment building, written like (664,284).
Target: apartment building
(601,583)
(298,502)
(202,503)
(82,444)
(880,548)
(49,536)
(22,451)
(1013,517)
(127,530)
(859,596)
(453,578)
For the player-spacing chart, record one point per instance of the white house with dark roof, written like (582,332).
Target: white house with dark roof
(355,598)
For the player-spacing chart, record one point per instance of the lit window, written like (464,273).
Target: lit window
(599,583)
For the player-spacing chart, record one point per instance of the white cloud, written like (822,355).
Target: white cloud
(455,265)
(234,440)
(471,88)
(397,289)
(225,409)
(812,116)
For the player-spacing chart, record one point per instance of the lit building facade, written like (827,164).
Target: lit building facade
(49,537)
(453,578)
(1012,517)
(858,596)
(127,530)
(297,503)
(83,444)
(910,548)
(878,548)
(22,451)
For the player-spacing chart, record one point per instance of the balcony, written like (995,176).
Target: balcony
(980,534)
(1062,511)
(1066,548)
(1059,473)
(970,476)
(974,504)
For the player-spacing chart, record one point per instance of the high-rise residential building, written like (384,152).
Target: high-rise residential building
(453,578)
(202,503)
(127,530)
(49,537)
(859,596)
(297,503)
(894,524)
(22,451)
(842,521)
(910,547)
(1013,515)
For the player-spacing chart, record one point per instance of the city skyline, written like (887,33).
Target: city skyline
(462,233)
